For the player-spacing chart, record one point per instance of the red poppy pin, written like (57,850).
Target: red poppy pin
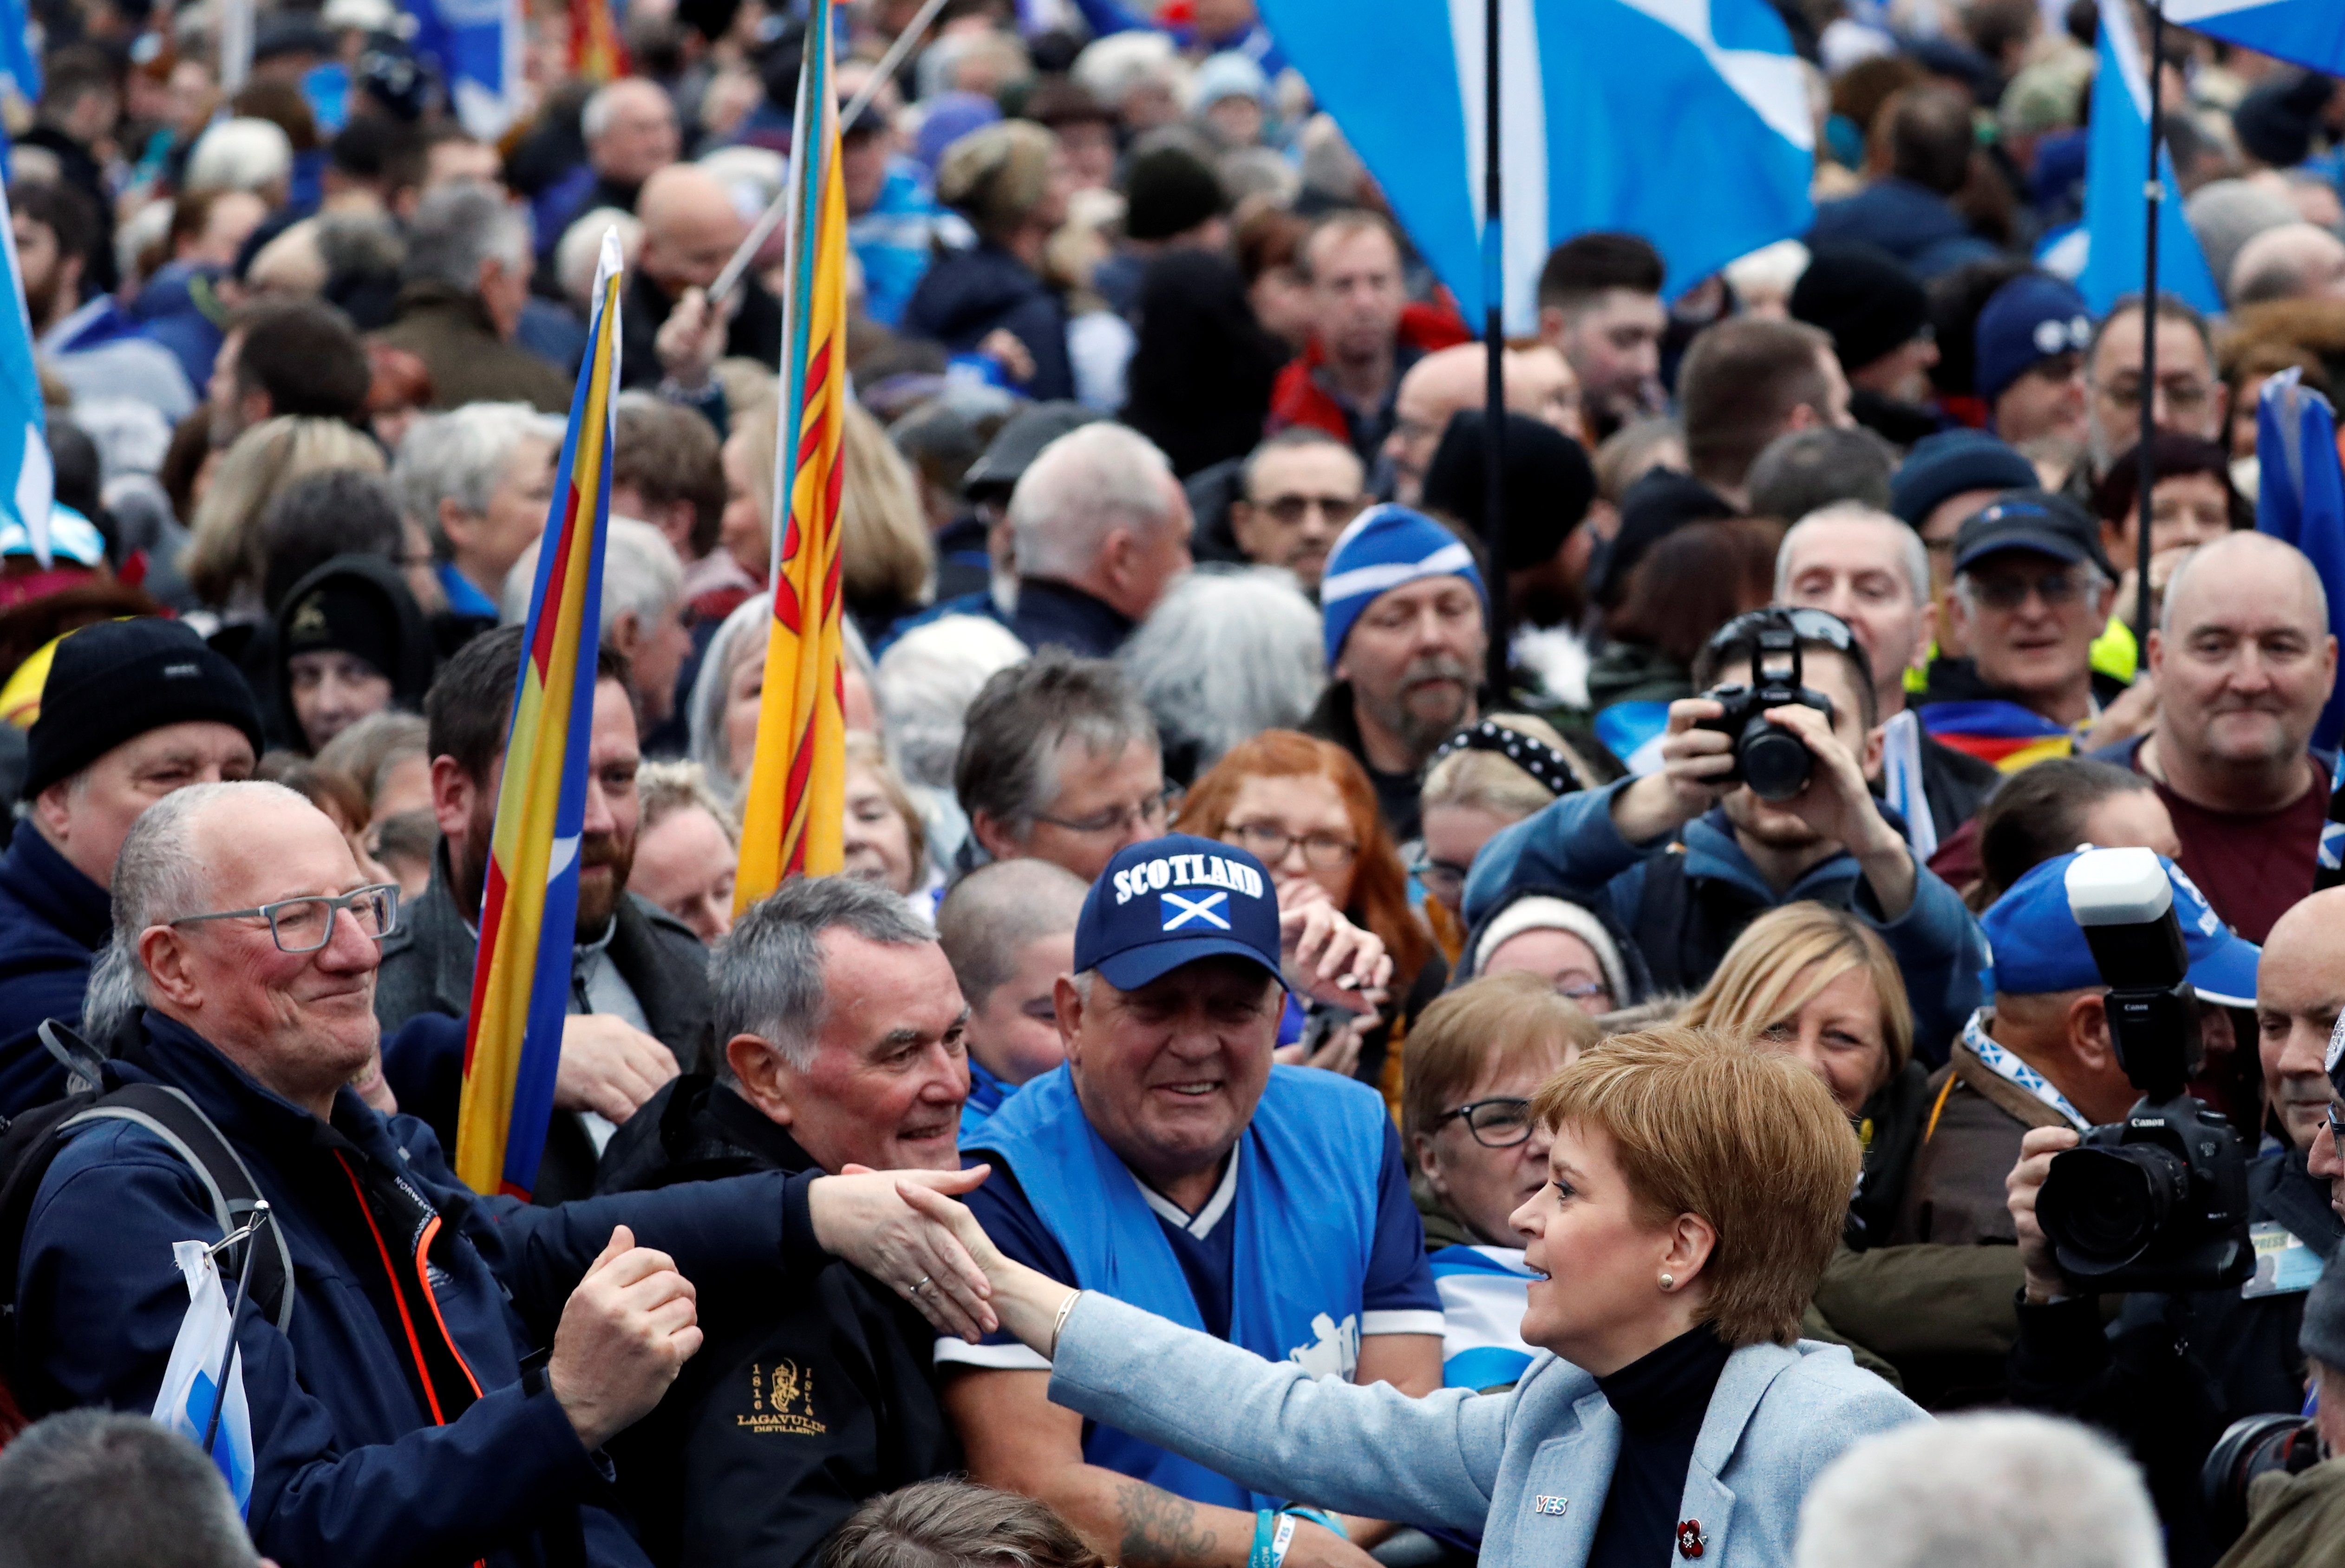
(1691,1542)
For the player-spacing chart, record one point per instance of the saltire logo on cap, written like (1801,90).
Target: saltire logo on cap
(793,814)
(1179,911)
(529,913)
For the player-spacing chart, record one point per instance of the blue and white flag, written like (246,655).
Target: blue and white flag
(477,46)
(2300,497)
(2309,31)
(20,59)
(1684,121)
(189,1392)
(24,421)
(2116,161)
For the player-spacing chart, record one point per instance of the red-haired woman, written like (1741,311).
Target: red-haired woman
(1306,810)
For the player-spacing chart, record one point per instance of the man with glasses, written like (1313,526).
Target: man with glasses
(639,982)
(1439,387)
(1059,762)
(392,1416)
(1171,1165)
(2189,397)
(131,710)
(1684,859)
(2032,590)
(1302,486)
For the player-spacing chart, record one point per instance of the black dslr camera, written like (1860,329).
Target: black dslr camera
(2160,1201)
(1775,763)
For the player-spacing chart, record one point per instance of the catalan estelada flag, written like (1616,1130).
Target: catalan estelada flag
(597,54)
(521,980)
(792,815)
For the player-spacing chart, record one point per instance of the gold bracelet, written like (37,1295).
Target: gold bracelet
(1059,1326)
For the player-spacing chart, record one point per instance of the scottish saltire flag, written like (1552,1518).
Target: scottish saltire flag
(1685,121)
(20,63)
(2117,164)
(2309,31)
(793,814)
(521,978)
(191,1382)
(2300,497)
(24,422)
(477,44)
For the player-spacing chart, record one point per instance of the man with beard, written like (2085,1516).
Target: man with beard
(2244,663)
(639,988)
(1686,858)
(1600,301)
(1404,615)
(2189,397)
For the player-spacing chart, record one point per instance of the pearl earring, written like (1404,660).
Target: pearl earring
(1669,1282)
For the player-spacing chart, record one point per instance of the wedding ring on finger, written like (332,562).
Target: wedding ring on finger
(917,1286)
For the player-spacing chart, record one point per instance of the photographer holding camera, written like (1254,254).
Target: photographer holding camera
(1763,800)
(2180,1363)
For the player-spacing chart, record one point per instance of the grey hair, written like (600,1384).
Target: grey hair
(241,154)
(641,574)
(955,1523)
(1910,547)
(107,1489)
(996,912)
(1082,488)
(2306,571)
(1992,1490)
(580,249)
(1009,763)
(1228,653)
(456,229)
(765,978)
(602,106)
(927,679)
(459,456)
(742,635)
(157,879)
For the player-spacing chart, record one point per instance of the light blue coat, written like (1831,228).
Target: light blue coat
(1528,1469)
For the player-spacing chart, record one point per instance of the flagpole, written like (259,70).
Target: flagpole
(2154,198)
(1493,340)
(235,1309)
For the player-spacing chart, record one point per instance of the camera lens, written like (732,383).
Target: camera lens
(2103,1207)
(1774,762)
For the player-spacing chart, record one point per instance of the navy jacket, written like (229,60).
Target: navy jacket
(349,1468)
(969,293)
(1574,845)
(1053,615)
(53,920)
(1917,225)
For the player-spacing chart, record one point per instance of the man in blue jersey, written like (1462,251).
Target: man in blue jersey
(1169,1163)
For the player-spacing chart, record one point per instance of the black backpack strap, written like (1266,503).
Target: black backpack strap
(173,1118)
(85,1067)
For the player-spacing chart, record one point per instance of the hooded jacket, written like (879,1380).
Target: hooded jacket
(351,1465)
(971,293)
(800,1403)
(53,921)
(1573,845)
(378,579)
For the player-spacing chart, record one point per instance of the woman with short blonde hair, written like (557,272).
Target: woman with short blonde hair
(1695,1192)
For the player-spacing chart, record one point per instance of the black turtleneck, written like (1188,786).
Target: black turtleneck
(1661,1398)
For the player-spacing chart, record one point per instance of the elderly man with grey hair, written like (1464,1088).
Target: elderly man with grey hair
(642,612)
(461,291)
(1229,653)
(478,481)
(1871,571)
(1102,531)
(1059,762)
(844,1046)
(394,1416)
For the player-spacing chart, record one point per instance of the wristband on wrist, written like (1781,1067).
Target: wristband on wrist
(1318,1516)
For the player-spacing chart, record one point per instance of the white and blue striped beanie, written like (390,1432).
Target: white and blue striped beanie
(1385,547)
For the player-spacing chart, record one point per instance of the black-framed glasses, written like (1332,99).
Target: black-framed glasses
(1502,1123)
(2337,1127)
(1269,844)
(306,924)
(1150,814)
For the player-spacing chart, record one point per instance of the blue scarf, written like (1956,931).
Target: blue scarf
(1305,1209)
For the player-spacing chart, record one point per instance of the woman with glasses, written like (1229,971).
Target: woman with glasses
(1484,778)
(1573,949)
(1475,1061)
(1305,809)
(1671,1412)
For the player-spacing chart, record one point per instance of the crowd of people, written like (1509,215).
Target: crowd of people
(1363,1018)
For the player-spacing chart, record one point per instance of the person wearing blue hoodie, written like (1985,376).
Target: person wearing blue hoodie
(1684,858)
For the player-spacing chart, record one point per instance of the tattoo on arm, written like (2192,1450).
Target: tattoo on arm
(1159,1527)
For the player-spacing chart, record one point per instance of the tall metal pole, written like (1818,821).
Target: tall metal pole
(1494,339)
(2154,198)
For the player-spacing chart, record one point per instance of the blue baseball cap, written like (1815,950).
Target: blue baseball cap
(1170,901)
(2038,948)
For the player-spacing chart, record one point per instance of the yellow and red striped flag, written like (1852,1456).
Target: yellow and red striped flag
(521,979)
(597,53)
(792,813)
